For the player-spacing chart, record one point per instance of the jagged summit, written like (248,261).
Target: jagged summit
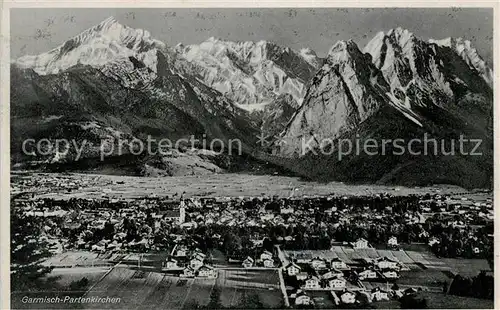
(469,54)
(251,73)
(344,51)
(399,32)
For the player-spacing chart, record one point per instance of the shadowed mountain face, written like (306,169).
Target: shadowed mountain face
(112,81)
(128,90)
(401,88)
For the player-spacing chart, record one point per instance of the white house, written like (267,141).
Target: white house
(266,255)
(295,293)
(385,262)
(433,240)
(188,272)
(332,273)
(367,274)
(390,274)
(303,299)
(338,282)
(392,242)
(292,269)
(312,283)
(337,263)
(171,264)
(268,263)
(248,262)
(195,263)
(348,297)
(301,276)
(207,272)
(378,295)
(361,243)
(181,252)
(318,263)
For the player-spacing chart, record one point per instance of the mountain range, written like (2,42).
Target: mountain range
(115,81)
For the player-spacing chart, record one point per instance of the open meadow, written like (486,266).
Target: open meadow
(140,289)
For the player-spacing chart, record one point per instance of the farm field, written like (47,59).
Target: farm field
(426,278)
(81,259)
(62,278)
(236,283)
(153,290)
(217,185)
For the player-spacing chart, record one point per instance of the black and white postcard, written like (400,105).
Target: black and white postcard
(240,157)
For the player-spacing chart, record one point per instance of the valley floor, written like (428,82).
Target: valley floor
(73,185)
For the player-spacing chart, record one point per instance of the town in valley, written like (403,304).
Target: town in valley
(382,250)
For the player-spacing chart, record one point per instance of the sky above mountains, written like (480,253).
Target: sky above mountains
(34,31)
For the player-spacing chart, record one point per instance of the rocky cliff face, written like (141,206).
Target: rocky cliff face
(422,73)
(346,91)
(469,54)
(401,87)
(277,114)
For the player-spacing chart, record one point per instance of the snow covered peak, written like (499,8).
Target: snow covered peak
(310,56)
(469,54)
(343,51)
(447,42)
(400,33)
(101,44)
(341,46)
(248,72)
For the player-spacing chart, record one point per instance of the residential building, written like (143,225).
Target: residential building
(266,255)
(390,273)
(292,269)
(312,282)
(248,262)
(318,263)
(268,263)
(378,294)
(207,271)
(392,242)
(337,282)
(385,262)
(337,263)
(367,274)
(332,273)
(303,299)
(361,243)
(195,263)
(171,263)
(188,272)
(348,297)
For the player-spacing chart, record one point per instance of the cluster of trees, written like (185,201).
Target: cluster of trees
(461,241)
(480,286)
(413,301)
(28,250)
